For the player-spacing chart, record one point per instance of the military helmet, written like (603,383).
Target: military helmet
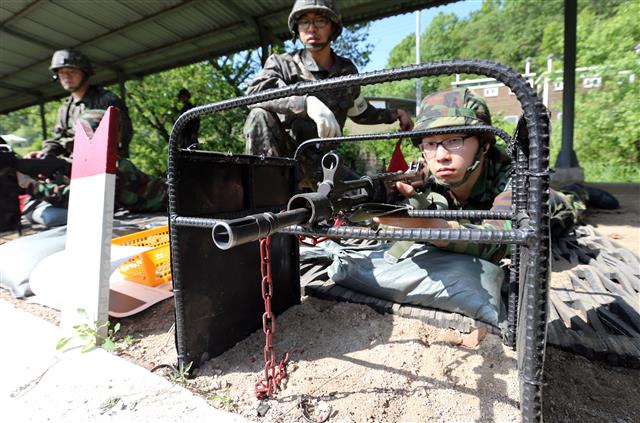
(68,58)
(323,7)
(453,107)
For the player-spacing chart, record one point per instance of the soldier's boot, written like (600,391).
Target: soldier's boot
(594,197)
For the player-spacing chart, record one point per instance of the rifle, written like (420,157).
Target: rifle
(335,196)
(47,166)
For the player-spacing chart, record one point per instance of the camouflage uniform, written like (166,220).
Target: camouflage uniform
(135,190)
(69,112)
(277,127)
(189,134)
(492,190)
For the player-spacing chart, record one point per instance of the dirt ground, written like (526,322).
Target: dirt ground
(351,364)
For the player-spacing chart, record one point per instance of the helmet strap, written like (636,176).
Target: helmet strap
(316,47)
(476,162)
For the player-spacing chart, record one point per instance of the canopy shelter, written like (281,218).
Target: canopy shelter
(131,39)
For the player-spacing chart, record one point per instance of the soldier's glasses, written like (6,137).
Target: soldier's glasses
(451,144)
(305,24)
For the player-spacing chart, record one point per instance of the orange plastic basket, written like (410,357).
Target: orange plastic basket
(152,267)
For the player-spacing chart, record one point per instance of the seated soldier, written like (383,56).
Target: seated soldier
(471,172)
(278,127)
(135,190)
(74,70)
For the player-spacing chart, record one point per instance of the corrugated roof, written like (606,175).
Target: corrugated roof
(129,39)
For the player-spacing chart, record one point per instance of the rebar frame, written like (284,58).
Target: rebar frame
(530,267)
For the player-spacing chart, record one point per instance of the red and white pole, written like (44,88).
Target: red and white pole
(90,221)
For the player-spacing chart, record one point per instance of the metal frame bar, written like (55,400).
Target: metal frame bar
(530,269)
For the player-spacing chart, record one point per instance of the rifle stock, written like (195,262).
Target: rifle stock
(47,166)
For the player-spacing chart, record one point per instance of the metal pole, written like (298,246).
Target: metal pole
(43,121)
(567,157)
(547,79)
(123,87)
(418,80)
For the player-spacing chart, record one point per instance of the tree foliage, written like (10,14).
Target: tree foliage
(154,107)
(26,123)
(511,31)
(354,44)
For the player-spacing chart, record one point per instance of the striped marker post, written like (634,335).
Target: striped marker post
(90,221)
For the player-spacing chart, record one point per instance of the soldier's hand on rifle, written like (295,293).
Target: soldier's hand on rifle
(24,180)
(323,117)
(406,123)
(406,190)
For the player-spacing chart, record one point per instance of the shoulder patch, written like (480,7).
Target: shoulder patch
(359,106)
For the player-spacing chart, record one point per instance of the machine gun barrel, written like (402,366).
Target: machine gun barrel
(230,233)
(334,195)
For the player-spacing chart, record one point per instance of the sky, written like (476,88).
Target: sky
(386,33)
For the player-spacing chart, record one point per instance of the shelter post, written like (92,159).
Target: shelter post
(418,80)
(123,87)
(43,121)
(567,167)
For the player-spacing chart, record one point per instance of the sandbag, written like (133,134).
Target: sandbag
(19,257)
(48,215)
(426,276)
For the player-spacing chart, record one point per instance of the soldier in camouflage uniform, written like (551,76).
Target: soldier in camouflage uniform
(73,70)
(135,190)
(470,172)
(277,127)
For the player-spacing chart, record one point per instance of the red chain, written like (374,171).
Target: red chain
(272,375)
(315,240)
(311,240)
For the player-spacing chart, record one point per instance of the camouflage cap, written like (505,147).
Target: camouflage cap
(452,107)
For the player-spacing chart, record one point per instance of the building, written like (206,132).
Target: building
(548,85)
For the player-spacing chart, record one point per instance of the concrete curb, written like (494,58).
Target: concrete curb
(40,384)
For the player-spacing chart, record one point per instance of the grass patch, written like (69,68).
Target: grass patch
(606,172)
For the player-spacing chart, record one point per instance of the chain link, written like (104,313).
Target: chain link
(315,240)
(272,374)
(311,240)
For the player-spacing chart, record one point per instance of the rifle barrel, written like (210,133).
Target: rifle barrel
(231,233)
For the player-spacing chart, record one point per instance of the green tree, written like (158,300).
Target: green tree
(354,44)
(607,135)
(510,31)
(154,106)
(26,123)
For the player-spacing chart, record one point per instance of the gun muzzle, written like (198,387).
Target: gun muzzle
(231,233)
